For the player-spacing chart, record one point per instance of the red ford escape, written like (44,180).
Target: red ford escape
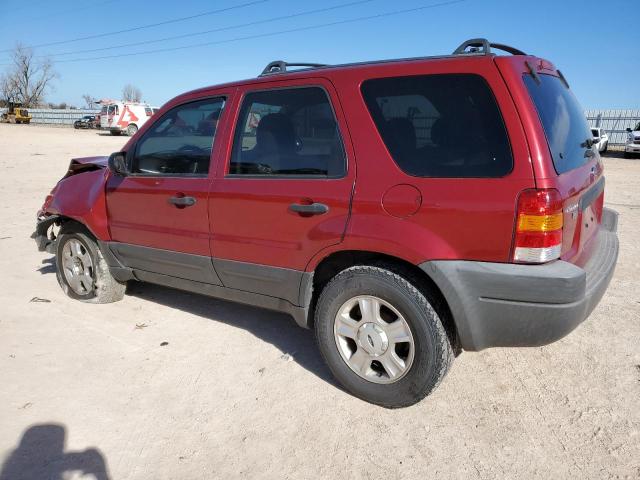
(406,210)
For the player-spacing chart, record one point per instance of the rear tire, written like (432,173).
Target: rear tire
(606,147)
(424,350)
(132,129)
(81,269)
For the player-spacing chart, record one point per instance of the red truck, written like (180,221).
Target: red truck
(406,210)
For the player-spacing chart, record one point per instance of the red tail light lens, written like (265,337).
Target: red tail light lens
(538,235)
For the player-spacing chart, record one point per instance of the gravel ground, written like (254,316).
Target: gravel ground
(243,392)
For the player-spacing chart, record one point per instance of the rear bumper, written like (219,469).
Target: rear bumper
(510,305)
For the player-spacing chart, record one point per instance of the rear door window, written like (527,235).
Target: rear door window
(563,121)
(440,125)
(290,131)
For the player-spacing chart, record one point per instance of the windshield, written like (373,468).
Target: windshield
(595,132)
(563,120)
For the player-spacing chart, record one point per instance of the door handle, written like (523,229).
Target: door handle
(182,201)
(313,209)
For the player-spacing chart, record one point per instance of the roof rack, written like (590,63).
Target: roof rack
(482,46)
(280,66)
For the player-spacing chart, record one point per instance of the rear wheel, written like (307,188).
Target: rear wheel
(381,336)
(131,130)
(81,269)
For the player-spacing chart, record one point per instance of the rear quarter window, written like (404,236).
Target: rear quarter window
(440,125)
(563,121)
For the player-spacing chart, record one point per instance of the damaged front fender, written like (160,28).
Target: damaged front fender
(79,196)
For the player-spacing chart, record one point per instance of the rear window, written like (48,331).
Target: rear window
(563,120)
(440,125)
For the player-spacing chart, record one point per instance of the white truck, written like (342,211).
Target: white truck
(124,117)
(632,146)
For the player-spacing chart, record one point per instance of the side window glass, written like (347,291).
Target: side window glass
(287,132)
(440,125)
(180,142)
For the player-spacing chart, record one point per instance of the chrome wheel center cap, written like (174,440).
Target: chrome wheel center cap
(373,339)
(77,266)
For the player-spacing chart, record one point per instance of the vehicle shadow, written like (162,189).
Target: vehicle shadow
(613,154)
(40,455)
(276,328)
(48,266)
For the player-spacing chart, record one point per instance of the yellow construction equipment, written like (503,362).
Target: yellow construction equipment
(16,114)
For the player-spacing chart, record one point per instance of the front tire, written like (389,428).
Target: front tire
(381,336)
(81,269)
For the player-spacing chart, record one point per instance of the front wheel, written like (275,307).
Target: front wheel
(381,336)
(606,147)
(82,271)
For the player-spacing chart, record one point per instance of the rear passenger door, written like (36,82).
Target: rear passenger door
(284,192)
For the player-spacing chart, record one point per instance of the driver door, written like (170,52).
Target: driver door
(158,213)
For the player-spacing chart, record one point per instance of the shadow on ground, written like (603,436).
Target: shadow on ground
(617,154)
(48,266)
(276,328)
(40,455)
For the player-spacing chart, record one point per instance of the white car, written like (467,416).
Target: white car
(600,139)
(633,141)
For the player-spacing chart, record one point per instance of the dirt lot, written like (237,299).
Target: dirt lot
(89,387)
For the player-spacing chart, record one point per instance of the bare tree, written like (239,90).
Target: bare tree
(8,88)
(89,100)
(28,78)
(131,93)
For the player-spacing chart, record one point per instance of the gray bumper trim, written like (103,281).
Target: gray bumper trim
(508,305)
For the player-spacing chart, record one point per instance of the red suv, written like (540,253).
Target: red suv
(406,210)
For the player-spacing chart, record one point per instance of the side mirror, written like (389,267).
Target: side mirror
(118,164)
(629,130)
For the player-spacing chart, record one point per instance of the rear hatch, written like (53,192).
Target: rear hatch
(562,154)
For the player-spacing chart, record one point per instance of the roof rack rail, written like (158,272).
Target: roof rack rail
(280,66)
(482,46)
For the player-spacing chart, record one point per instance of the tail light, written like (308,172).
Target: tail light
(538,235)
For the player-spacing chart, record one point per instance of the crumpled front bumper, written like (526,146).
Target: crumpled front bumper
(45,239)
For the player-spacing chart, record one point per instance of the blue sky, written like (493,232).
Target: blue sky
(594,43)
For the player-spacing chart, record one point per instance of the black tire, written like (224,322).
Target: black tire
(105,288)
(115,133)
(132,129)
(606,147)
(433,353)
(76,126)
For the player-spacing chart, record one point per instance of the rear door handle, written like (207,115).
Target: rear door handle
(182,201)
(313,209)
